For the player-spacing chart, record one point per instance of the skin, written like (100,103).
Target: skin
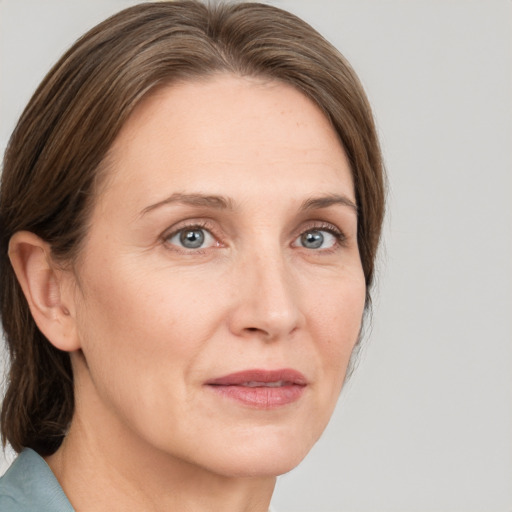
(148,321)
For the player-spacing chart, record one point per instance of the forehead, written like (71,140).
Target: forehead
(225,131)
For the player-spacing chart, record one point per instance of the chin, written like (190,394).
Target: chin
(265,455)
(260,466)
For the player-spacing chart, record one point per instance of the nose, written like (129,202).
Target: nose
(266,300)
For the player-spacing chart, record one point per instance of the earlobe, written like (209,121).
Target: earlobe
(46,288)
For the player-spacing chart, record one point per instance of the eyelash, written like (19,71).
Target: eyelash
(339,236)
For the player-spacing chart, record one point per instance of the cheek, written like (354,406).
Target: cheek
(140,338)
(132,321)
(337,317)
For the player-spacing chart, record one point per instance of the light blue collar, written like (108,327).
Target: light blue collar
(29,485)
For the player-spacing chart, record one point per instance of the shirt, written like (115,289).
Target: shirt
(29,485)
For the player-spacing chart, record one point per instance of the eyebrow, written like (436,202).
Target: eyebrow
(202,200)
(317,203)
(225,203)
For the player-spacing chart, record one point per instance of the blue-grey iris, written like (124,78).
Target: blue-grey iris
(192,239)
(312,239)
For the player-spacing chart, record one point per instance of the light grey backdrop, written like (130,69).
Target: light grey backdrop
(425,424)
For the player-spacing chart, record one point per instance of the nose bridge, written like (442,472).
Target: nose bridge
(268,300)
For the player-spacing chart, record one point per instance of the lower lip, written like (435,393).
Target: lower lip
(262,397)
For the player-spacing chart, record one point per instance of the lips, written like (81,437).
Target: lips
(262,389)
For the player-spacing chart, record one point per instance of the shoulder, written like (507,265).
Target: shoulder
(29,485)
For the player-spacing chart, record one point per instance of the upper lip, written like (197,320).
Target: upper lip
(284,376)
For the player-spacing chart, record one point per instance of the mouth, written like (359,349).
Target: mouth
(256,384)
(261,389)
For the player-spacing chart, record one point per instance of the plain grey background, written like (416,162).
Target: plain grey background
(425,424)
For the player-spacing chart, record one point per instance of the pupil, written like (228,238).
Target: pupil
(192,239)
(312,239)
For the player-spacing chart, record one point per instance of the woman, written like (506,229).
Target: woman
(191,205)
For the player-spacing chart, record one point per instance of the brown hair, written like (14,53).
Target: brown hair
(52,163)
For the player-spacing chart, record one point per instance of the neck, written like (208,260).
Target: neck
(103,465)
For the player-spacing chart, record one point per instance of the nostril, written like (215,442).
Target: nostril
(252,331)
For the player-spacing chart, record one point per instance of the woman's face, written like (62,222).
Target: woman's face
(220,290)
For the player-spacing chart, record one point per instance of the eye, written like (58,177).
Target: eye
(193,237)
(317,239)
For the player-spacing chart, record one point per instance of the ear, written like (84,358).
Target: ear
(48,289)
